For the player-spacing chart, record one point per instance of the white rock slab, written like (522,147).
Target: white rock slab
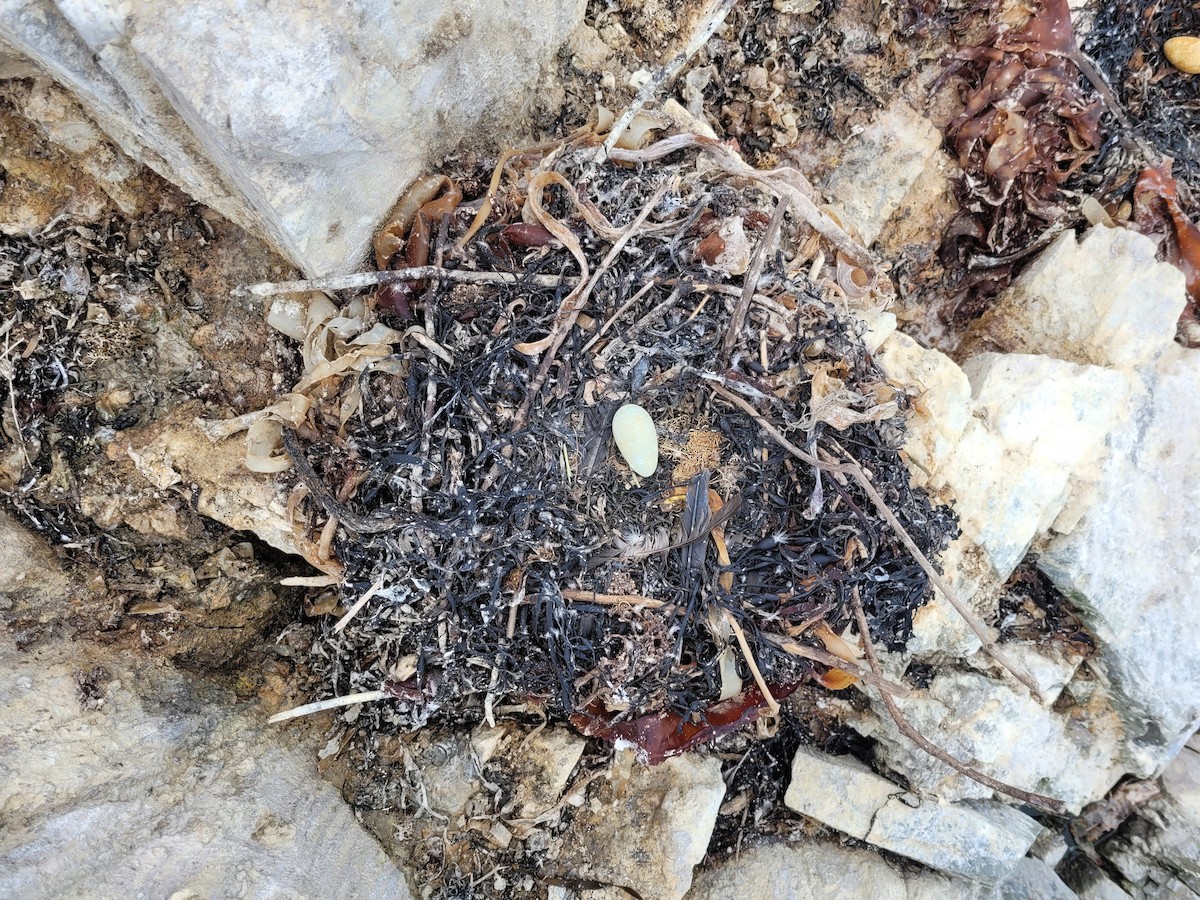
(298,120)
(648,833)
(165,790)
(1104,300)
(996,726)
(879,166)
(944,402)
(1038,432)
(837,790)
(1131,565)
(807,870)
(1032,879)
(981,841)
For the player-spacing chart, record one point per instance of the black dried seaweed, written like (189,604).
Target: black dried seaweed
(509,596)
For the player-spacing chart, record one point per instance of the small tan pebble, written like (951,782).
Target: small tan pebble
(636,438)
(1184,53)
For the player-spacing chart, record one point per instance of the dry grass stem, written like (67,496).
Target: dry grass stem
(1046,804)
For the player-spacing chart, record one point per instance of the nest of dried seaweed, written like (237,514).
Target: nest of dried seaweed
(457,475)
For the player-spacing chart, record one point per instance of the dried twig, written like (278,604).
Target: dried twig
(772,703)
(709,23)
(611,599)
(1046,804)
(332,703)
(734,335)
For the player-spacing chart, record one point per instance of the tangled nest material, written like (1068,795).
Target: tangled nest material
(456,475)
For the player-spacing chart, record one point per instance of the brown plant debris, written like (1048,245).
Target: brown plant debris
(1026,129)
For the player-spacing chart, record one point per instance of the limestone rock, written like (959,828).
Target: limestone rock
(1158,852)
(837,790)
(159,787)
(937,626)
(1032,879)
(981,841)
(1132,567)
(648,833)
(1072,756)
(1103,301)
(944,400)
(29,570)
(879,166)
(299,131)
(807,870)
(1038,432)
(174,451)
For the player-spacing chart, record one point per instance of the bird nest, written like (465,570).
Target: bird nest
(457,477)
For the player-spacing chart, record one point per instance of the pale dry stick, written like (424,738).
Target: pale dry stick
(354,610)
(674,297)
(778,181)
(575,302)
(571,594)
(855,471)
(733,334)
(772,703)
(709,23)
(391,276)
(332,703)
(825,658)
(1046,804)
(641,292)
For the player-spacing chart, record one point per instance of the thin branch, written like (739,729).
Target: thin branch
(1046,804)
(333,703)
(611,599)
(708,25)
(734,333)
(758,677)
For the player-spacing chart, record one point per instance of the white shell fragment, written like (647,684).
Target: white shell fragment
(633,430)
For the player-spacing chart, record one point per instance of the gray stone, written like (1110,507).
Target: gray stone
(839,791)
(296,127)
(1158,851)
(31,576)
(980,841)
(1038,431)
(1073,756)
(160,786)
(807,870)
(878,167)
(648,831)
(1131,564)
(1032,879)
(1104,301)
